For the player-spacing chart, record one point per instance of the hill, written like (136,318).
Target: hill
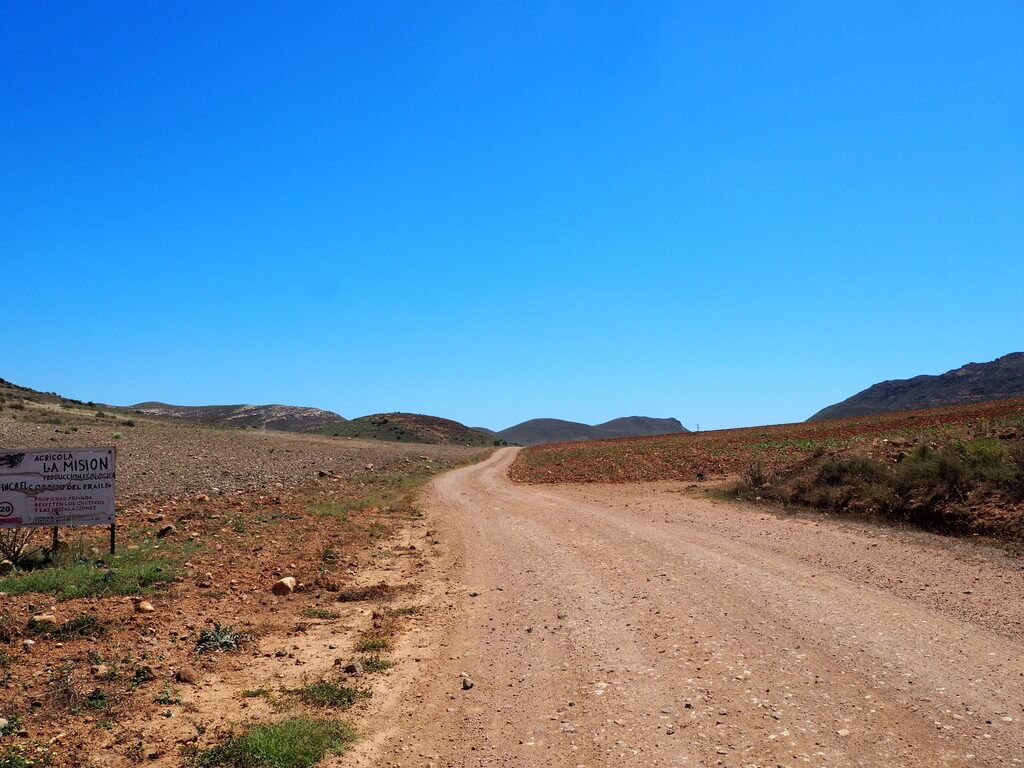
(975,382)
(408,428)
(285,418)
(537,431)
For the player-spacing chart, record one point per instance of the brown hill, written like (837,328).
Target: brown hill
(408,428)
(286,418)
(975,382)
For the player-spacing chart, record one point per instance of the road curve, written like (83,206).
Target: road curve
(648,626)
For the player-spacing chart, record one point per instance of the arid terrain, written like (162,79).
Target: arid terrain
(161,653)
(445,615)
(648,625)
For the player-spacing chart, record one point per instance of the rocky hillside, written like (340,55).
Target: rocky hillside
(975,382)
(285,418)
(537,431)
(408,428)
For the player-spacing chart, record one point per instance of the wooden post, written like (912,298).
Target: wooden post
(56,540)
(113,538)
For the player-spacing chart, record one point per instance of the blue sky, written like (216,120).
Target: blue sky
(731,213)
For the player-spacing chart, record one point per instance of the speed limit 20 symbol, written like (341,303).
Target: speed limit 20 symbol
(6,509)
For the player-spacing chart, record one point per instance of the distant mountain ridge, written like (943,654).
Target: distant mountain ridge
(409,428)
(537,431)
(286,418)
(975,382)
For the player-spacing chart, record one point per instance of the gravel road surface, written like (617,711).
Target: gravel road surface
(645,625)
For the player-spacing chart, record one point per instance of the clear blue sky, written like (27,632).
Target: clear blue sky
(732,213)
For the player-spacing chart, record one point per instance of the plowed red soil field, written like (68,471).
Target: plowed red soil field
(721,453)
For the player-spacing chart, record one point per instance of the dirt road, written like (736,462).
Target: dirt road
(648,626)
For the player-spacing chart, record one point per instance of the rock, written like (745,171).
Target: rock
(202,497)
(467,682)
(144,606)
(99,670)
(284,586)
(186,675)
(167,530)
(4,722)
(843,731)
(27,645)
(6,567)
(44,619)
(353,668)
(157,518)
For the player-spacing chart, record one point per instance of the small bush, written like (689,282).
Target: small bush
(753,477)
(298,742)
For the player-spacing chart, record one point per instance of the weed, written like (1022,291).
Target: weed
(255,693)
(97,700)
(329,694)
(381,591)
(10,627)
(133,573)
(12,725)
(319,613)
(85,625)
(376,663)
(168,695)
(117,436)
(298,742)
(62,692)
(405,610)
(372,642)
(335,509)
(221,638)
(754,477)
(16,756)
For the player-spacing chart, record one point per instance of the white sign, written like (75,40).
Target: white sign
(56,486)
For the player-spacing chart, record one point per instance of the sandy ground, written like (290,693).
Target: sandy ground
(646,625)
